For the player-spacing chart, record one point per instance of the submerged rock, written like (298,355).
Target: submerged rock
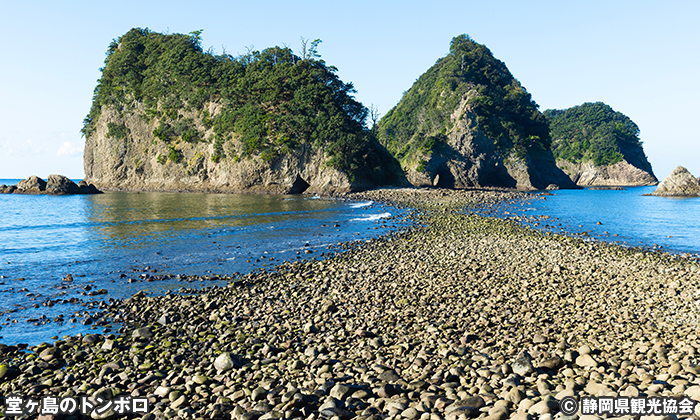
(681,183)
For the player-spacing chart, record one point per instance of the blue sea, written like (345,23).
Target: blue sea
(119,242)
(626,217)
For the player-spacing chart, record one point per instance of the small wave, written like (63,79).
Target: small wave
(372,217)
(361,204)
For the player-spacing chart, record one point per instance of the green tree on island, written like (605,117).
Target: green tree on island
(597,133)
(269,102)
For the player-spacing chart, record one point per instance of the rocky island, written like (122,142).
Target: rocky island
(467,122)
(680,183)
(168,116)
(597,146)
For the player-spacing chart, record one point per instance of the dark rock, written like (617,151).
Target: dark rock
(389,376)
(258,394)
(365,333)
(60,185)
(552,363)
(143,332)
(388,391)
(86,188)
(32,185)
(251,415)
(340,412)
(92,339)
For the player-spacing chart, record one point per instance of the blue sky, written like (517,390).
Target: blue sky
(640,57)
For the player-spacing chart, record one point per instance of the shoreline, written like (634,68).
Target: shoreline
(462,316)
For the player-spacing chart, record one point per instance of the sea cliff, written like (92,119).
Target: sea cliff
(598,146)
(167,115)
(467,122)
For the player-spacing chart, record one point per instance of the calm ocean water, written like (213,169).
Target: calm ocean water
(104,240)
(639,221)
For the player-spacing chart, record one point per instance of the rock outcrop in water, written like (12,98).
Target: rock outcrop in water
(680,183)
(597,146)
(168,116)
(467,122)
(54,185)
(619,174)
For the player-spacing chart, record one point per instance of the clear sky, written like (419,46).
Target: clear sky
(640,57)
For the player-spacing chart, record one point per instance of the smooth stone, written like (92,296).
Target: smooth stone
(586,360)
(340,391)
(523,364)
(162,391)
(553,363)
(225,362)
(251,415)
(389,376)
(341,413)
(410,413)
(108,345)
(597,389)
(143,332)
(258,394)
(178,402)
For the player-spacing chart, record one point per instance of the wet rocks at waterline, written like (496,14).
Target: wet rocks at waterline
(54,185)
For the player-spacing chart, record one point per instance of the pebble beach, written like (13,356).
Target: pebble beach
(460,317)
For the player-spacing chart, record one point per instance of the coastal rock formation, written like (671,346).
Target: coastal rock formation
(266,122)
(597,146)
(140,162)
(54,185)
(32,185)
(623,173)
(680,183)
(467,122)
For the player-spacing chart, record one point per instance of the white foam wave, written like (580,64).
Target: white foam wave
(361,204)
(372,217)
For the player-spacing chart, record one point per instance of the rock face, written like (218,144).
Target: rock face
(140,162)
(166,115)
(469,158)
(32,185)
(467,122)
(59,184)
(54,185)
(680,183)
(620,174)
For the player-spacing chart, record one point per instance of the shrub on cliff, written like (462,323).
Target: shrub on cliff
(505,111)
